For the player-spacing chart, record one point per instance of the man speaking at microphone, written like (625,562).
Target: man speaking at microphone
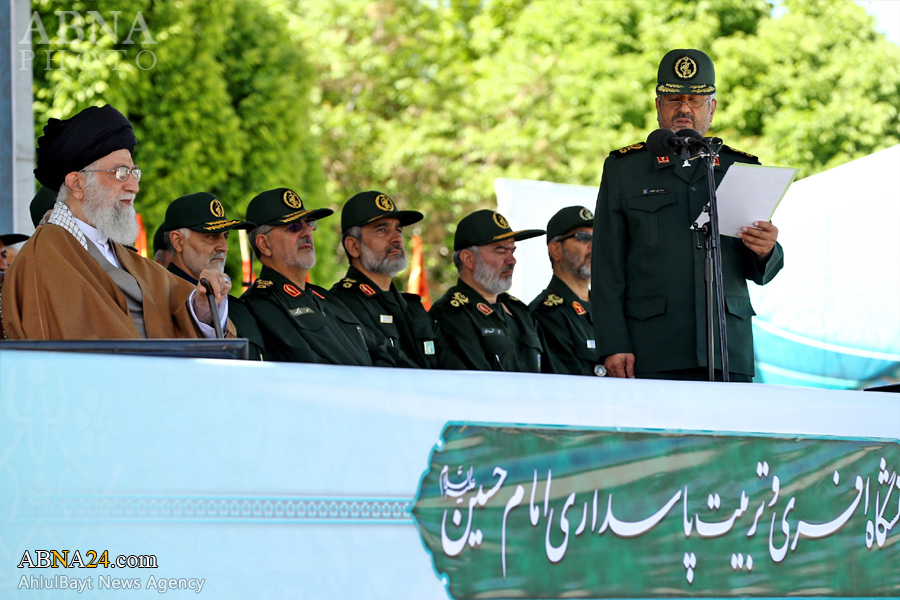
(647,283)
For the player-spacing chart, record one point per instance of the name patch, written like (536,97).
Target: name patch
(303,310)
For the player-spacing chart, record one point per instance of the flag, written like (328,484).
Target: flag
(418,277)
(141,243)
(247,276)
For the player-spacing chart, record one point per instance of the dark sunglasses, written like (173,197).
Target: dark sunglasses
(582,236)
(297,226)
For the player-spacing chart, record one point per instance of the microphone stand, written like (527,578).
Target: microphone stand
(712,267)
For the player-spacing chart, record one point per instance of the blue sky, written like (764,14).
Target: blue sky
(887,12)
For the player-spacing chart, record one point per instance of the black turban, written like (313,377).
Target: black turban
(73,144)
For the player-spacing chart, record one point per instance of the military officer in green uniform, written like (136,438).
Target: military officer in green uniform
(648,283)
(299,321)
(373,240)
(482,327)
(563,310)
(196,234)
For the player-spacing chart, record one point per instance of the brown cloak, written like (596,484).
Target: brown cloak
(55,290)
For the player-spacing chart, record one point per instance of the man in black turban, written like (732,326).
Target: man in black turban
(77,277)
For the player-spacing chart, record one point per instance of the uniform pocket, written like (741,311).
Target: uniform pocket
(652,219)
(643,308)
(739,306)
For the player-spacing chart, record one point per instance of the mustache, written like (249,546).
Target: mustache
(395,247)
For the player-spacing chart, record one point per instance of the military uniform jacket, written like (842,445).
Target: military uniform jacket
(647,287)
(397,318)
(308,325)
(568,330)
(479,336)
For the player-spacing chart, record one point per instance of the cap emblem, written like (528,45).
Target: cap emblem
(384,203)
(586,215)
(216,208)
(500,221)
(292,199)
(685,67)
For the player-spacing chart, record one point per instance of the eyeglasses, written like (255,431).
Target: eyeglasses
(582,236)
(691,103)
(297,226)
(122,173)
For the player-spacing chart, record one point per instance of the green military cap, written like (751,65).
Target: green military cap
(486,227)
(12,238)
(200,212)
(280,207)
(159,240)
(567,219)
(365,207)
(686,72)
(40,204)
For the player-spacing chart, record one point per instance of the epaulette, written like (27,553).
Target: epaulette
(552,301)
(629,149)
(352,284)
(741,152)
(458,300)
(514,299)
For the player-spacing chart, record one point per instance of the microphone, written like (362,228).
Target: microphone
(661,141)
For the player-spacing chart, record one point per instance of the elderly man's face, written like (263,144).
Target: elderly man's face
(381,247)
(293,244)
(108,203)
(494,266)
(203,250)
(683,116)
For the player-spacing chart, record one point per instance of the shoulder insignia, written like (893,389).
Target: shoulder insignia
(629,149)
(291,290)
(346,282)
(318,295)
(458,299)
(263,284)
(578,308)
(484,308)
(514,299)
(553,300)
(367,289)
(741,152)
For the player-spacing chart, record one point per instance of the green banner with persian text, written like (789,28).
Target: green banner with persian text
(555,512)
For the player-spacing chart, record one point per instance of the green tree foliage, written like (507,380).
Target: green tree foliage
(217,93)
(431,101)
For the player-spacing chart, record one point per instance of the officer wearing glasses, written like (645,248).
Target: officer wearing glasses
(77,278)
(298,321)
(563,310)
(648,277)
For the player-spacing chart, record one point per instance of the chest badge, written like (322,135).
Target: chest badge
(387,318)
(291,290)
(484,308)
(429,347)
(578,308)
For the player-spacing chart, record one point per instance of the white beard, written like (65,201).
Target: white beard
(383,265)
(102,209)
(492,283)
